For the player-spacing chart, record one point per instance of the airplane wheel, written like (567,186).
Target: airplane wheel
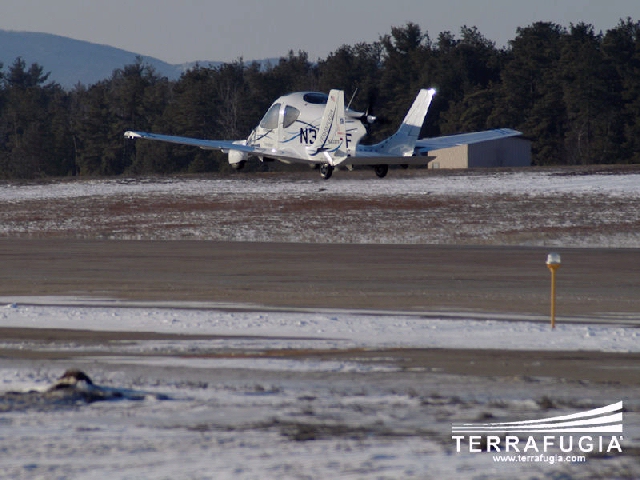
(326,171)
(381,170)
(239,165)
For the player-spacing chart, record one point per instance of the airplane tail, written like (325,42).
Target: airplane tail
(403,142)
(331,137)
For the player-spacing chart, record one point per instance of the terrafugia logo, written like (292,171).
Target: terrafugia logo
(599,421)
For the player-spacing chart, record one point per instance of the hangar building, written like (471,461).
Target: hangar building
(503,152)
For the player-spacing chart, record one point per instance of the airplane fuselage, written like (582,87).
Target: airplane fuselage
(292,124)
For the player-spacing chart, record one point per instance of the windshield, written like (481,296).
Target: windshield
(270,119)
(291,114)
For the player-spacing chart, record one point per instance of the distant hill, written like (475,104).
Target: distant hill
(71,61)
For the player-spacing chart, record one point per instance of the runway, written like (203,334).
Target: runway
(592,283)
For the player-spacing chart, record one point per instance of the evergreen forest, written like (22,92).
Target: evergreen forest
(573,91)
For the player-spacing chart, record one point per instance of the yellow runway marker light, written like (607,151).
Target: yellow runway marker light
(553,262)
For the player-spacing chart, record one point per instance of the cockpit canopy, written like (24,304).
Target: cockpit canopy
(287,109)
(270,119)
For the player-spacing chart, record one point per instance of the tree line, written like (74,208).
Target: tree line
(573,91)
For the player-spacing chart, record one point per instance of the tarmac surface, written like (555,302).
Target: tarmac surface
(602,283)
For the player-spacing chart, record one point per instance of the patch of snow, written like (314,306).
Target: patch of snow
(256,425)
(530,183)
(330,330)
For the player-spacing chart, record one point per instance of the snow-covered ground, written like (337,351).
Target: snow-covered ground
(528,182)
(530,207)
(301,330)
(238,416)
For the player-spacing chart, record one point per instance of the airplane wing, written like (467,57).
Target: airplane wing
(225,146)
(436,143)
(194,142)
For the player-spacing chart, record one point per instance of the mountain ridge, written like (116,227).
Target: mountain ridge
(72,61)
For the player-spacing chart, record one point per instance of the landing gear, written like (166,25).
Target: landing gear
(326,171)
(381,170)
(239,165)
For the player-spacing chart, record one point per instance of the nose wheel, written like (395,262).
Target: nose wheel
(326,171)
(381,170)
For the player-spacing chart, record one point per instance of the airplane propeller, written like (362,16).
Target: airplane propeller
(369,118)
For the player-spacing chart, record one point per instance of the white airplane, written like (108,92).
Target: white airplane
(317,129)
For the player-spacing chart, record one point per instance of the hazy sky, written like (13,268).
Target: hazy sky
(187,30)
